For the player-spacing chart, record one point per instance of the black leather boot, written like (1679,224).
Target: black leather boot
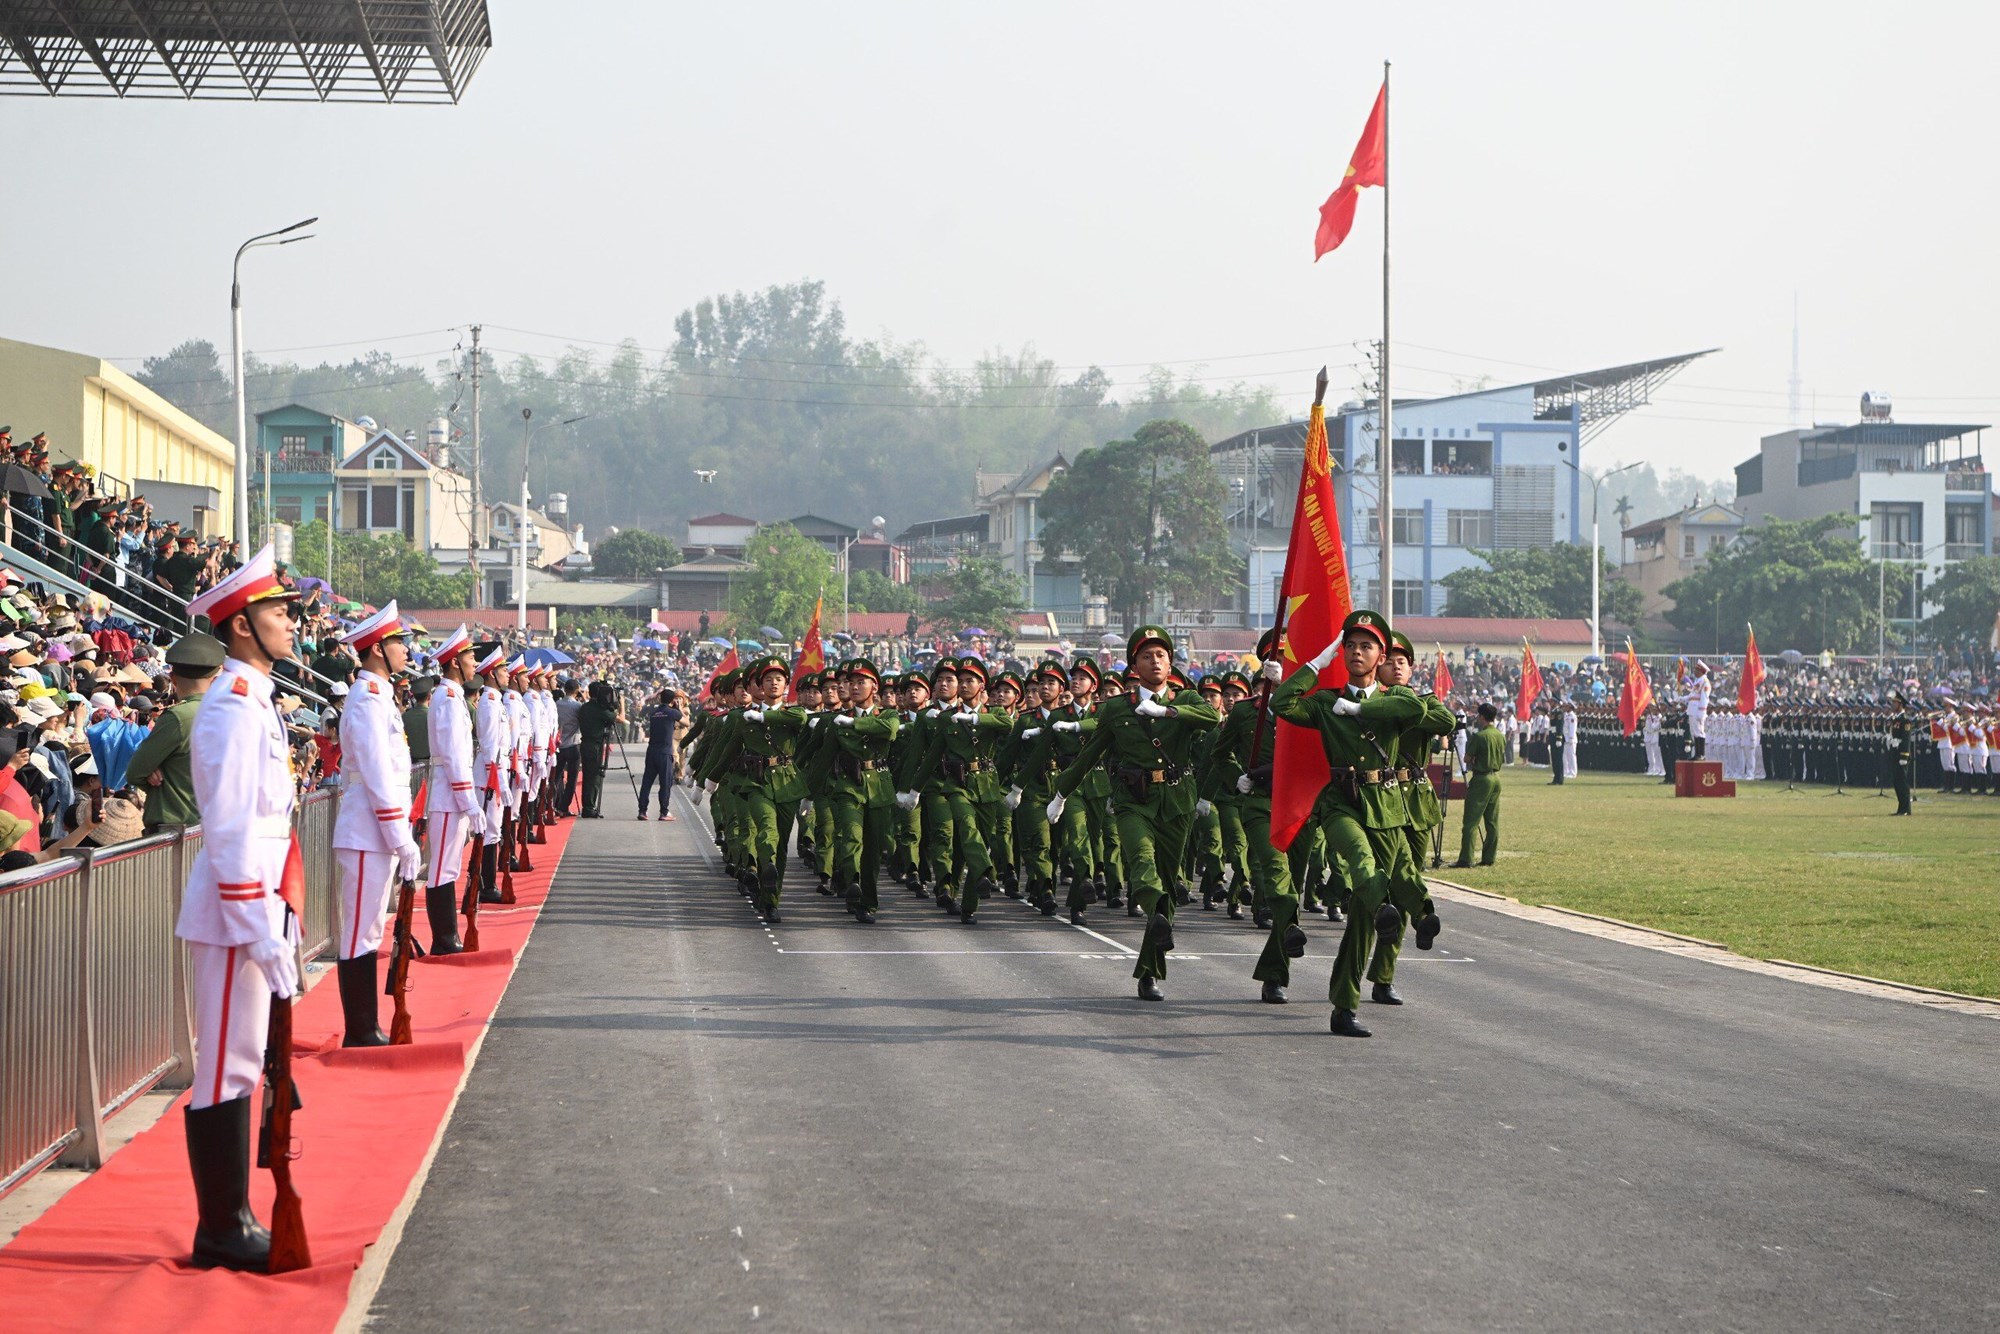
(441,906)
(489,873)
(1343,1025)
(1274,994)
(357,1001)
(1149,990)
(226,1235)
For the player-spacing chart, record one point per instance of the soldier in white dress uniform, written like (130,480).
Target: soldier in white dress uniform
(242,933)
(1696,701)
(372,842)
(492,770)
(453,811)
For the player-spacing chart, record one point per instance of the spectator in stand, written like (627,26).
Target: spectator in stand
(114,738)
(15,799)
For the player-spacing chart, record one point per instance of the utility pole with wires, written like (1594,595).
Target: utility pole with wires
(472,525)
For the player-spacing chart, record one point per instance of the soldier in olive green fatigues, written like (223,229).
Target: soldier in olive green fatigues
(1360,811)
(1414,748)
(996,825)
(759,753)
(1485,753)
(1148,741)
(1030,766)
(1241,767)
(914,690)
(195,659)
(957,760)
(852,769)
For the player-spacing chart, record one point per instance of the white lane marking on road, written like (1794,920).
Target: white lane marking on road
(1064,954)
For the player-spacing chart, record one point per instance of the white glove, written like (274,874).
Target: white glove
(1203,807)
(710,785)
(1274,670)
(1326,656)
(1067,725)
(805,810)
(1890,742)
(1055,808)
(932,713)
(1013,798)
(1148,708)
(754,715)
(1031,734)
(965,717)
(1347,707)
(409,862)
(1244,785)
(813,721)
(907,800)
(280,963)
(843,720)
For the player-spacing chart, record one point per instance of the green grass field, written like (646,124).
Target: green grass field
(1827,880)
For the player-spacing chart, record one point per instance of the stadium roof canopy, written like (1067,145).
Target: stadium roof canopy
(243,50)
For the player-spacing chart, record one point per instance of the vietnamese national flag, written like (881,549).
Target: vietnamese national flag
(1531,684)
(1637,696)
(1441,682)
(1368,166)
(728,664)
(1316,600)
(811,656)
(1753,676)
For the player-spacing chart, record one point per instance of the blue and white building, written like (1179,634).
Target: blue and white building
(1493,469)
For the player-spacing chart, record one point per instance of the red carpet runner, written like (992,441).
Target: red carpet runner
(108,1255)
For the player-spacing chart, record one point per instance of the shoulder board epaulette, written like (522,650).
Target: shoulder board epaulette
(239,687)
(374,689)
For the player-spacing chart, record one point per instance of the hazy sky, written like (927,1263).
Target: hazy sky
(1576,185)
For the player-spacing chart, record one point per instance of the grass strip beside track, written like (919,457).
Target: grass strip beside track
(1831,881)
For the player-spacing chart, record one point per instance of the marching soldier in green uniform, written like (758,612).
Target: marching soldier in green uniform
(1240,769)
(1084,841)
(1485,753)
(854,761)
(1360,811)
(1148,739)
(940,836)
(914,691)
(727,787)
(816,737)
(759,755)
(1414,748)
(1030,764)
(996,824)
(162,763)
(958,772)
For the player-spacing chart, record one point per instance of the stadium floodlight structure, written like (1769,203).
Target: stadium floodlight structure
(243,50)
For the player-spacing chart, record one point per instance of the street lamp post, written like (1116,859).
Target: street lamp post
(1596,551)
(236,354)
(521,521)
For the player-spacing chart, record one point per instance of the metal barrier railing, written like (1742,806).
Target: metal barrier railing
(94,1003)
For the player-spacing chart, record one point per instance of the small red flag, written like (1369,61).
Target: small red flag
(728,664)
(1753,676)
(1441,682)
(292,882)
(1317,599)
(1531,684)
(1637,696)
(1368,166)
(811,655)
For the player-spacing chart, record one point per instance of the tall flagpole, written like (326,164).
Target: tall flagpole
(1385,463)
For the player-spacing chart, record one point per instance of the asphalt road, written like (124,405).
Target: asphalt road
(684,1120)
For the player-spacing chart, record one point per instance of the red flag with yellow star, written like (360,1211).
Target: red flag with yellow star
(1368,166)
(1317,600)
(812,653)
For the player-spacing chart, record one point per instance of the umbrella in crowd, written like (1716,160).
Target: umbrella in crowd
(723,643)
(972,632)
(1793,656)
(1592,659)
(546,657)
(842,634)
(750,644)
(656,626)
(771,632)
(1109,639)
(16,479)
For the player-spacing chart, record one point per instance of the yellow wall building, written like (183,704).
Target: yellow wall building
(97,413)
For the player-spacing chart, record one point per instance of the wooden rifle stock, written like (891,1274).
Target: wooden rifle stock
(289,1249)
(399,964)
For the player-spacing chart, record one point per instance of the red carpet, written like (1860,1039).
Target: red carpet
(108,1255)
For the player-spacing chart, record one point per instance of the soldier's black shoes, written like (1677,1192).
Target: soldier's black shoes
(1344,1026)
(1294,942)
(1309,904)
(1275,995)
(1160,931)
(1076,917)
(357,1001)
(1262,917)
(948,903)
(227,1235)
(769,912)
(865,917)
(1333,913)
(1235,912)
(1132,906)
(1388,922)
(1013,891)
(1149,990)
(1461,866)
(488,894)
(1384,994)
(1112,898)
(968,918)
(1048,905)
(1428,927)
(826,886)
(1181,895)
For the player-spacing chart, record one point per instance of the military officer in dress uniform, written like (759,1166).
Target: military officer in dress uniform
(494,738)
(1902,752)
(452,805)
(1148,739)
(242,933)
(372,843)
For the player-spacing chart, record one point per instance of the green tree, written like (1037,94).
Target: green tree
(190,377)
(1144,517)
(1967,597)
(789,573)
(978,592)
(1803,585)
(633,553)
(376,569)
(869,591)
(1547,581)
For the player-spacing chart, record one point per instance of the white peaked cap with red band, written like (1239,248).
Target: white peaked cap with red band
(493,661)
(458,642)
(376,628)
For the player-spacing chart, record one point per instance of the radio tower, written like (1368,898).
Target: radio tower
(1793,385)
